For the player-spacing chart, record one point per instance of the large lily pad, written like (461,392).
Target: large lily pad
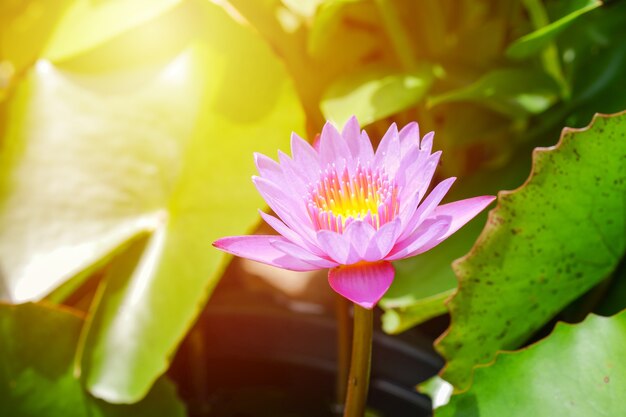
(36,370)
(578,371)
(545,244)
(158,156)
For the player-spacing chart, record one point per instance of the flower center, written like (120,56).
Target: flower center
(339,198)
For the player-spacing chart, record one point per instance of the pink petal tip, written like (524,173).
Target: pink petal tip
(363,283)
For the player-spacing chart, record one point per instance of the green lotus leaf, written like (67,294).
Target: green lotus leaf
(141,168)
(514,92)
(423,283)
(374,93)
(577,371)
(37,374)
(544,245)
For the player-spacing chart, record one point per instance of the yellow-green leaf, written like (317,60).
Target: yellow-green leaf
(36,373)
(373,93)
(161,156)
(89,23)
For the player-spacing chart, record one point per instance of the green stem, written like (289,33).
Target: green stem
(398,36)
(198,370)
(342,312)
(550,55)
(359,378)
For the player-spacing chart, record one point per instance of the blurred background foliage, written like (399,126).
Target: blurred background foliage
(127,129)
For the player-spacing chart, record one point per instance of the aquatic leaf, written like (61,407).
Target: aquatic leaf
(425,282)
(373,94)
(594,59)
(577,371)
(545,244)
(515,92)
(36,369)
(535,41)
(413,310)
(95,165)
(327,20)
(437,389)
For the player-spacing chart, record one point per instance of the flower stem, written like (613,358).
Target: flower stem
(550,55)
(344,334)
(359,378)
(400,40)
(198,370)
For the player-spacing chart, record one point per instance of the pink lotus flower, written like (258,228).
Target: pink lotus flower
(352,210)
